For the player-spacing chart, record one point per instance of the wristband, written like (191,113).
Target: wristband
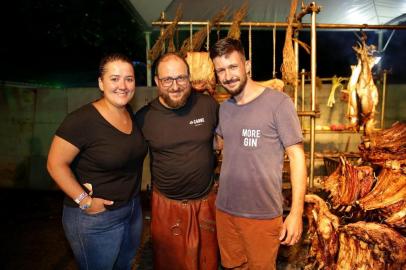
(81,197)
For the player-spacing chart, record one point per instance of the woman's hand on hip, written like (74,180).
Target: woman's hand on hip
(97,205)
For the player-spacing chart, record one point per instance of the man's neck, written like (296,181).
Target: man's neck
(251,91)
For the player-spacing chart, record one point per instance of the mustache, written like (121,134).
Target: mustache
(175,91)
(231,81)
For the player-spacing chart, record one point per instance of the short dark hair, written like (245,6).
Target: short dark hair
(112,57)
(167,55)
(226,46)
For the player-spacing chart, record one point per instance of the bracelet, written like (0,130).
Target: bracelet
(81,197)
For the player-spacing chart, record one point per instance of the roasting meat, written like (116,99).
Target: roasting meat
(389,189)
(381,199)
(388,197)
(398,219)
(393,138)
(323,230)
(201,72)
(348,183)
(360,245)
(367,245)
(384,147)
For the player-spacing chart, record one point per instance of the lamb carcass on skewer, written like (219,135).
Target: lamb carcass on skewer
(367,245)
(388,196)
(323,230)
(348,183)
(366,89)
(363,94)
(398,219)
(385,146)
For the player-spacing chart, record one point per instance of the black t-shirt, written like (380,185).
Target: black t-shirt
(110,160)
(181,145)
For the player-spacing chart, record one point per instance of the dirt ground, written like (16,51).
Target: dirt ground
(31,234)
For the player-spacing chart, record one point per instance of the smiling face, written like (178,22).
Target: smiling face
(117,83)
(173,82)
(231,70)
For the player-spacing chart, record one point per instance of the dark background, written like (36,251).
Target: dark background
(60,43)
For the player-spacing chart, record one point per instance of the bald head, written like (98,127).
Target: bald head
(167,57)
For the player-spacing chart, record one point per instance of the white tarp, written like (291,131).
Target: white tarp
(333,11)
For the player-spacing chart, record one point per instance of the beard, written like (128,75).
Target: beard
(239,89)
(178,103)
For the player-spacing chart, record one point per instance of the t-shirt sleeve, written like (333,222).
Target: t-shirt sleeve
(140,117)
(73,129)
(288,124)
(218,130)
(215,109)
(215,115)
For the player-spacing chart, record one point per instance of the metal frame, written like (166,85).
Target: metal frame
(313,9)
(284,25)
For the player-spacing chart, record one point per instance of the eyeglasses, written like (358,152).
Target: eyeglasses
(180,80)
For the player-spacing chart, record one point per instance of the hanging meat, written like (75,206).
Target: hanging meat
(276,84)
(352,111)
(366,89)
(159,46)
(335,84)
(288,68)
(362,103)
(386,146)
(348,183)
(201,72)
(195,42)
(323,231)
(200,65)
(368,245)
(234,31)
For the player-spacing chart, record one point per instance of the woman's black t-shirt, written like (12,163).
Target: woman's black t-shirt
(110,160)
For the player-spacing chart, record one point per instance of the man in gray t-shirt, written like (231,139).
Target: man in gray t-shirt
(256,126)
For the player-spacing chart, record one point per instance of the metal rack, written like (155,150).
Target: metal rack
(312,9)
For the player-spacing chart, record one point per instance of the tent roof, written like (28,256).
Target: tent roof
(373,12)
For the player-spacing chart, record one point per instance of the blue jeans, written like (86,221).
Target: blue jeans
(107,240)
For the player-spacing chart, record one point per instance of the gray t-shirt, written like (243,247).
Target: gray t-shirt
(255,137)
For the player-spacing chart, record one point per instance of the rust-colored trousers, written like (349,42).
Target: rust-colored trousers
(247,243)
(184,233)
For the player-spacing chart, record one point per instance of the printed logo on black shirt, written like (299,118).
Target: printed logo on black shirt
(197,122)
